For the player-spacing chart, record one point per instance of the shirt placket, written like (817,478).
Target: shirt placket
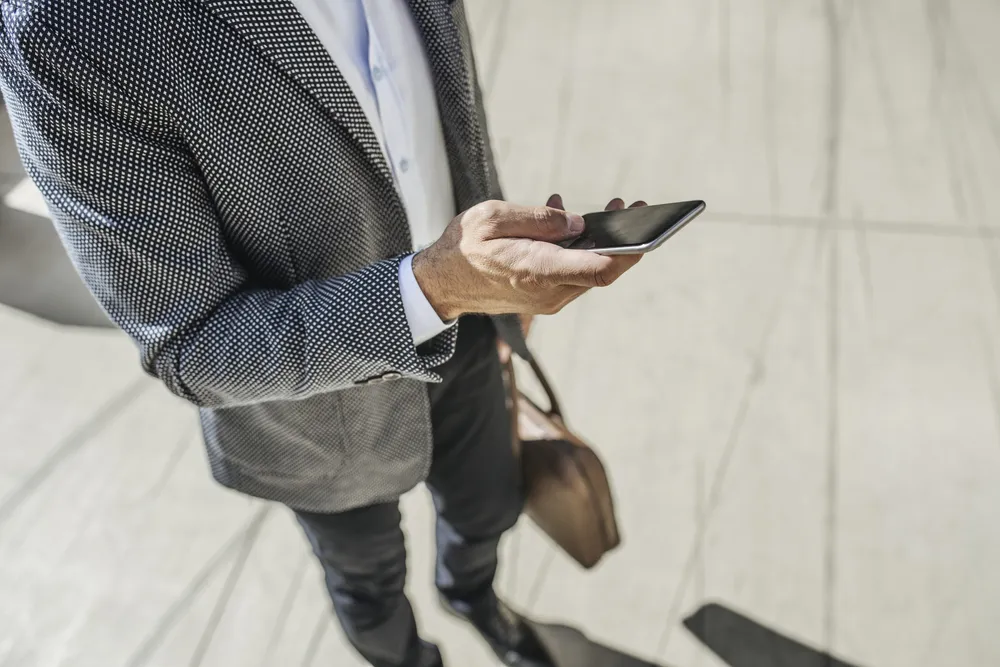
(398,146)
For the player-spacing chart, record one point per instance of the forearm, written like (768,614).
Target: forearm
(322,335)
(423,320)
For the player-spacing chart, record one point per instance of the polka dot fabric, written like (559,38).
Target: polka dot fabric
(219,189)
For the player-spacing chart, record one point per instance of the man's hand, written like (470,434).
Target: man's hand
(555,201)
(497,258)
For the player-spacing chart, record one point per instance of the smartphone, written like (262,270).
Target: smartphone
(633,231)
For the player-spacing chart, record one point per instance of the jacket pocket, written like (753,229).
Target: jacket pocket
(297,439)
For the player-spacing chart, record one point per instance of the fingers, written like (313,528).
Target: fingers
(616,204)
(581,268)
(540,223)
(557,299)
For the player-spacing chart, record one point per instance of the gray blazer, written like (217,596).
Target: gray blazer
(220,191)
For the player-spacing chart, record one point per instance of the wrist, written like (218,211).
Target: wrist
(437,288)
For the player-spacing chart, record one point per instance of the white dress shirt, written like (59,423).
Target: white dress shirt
(376,46)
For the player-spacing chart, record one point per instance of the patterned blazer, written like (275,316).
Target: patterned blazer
(221,192)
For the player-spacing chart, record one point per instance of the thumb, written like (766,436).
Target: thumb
(541,223)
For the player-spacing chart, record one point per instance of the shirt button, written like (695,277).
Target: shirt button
(376,73)
(404,165)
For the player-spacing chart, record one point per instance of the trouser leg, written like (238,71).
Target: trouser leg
(363,555)
(474,478)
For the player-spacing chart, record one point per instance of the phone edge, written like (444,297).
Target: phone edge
(655,243)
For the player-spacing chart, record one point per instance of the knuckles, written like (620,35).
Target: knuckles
(491,210)
(543,216)
(603,277)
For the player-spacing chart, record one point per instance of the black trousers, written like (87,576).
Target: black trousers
(477,493)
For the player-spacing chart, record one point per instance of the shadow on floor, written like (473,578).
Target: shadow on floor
(742,642)
(571,648)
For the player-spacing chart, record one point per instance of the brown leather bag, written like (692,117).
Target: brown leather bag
(567,491)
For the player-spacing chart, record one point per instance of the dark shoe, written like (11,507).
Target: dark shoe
(420,654)
(430,656)
(506,631)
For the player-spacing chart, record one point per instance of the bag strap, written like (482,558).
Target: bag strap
(509,328)
(555,410)
(514,407)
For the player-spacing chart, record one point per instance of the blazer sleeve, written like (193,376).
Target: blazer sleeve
(136,216)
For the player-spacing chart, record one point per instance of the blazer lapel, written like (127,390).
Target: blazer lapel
(279,32)
(446,40)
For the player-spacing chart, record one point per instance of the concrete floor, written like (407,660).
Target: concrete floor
(798,397)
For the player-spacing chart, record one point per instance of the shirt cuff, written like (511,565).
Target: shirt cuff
(420,314)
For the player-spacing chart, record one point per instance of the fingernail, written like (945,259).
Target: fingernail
(575,223)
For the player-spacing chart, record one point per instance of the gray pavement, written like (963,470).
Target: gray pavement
(798,397)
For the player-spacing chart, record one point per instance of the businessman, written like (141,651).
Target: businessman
(243,185)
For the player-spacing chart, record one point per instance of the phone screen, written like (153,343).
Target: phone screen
(633,226)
